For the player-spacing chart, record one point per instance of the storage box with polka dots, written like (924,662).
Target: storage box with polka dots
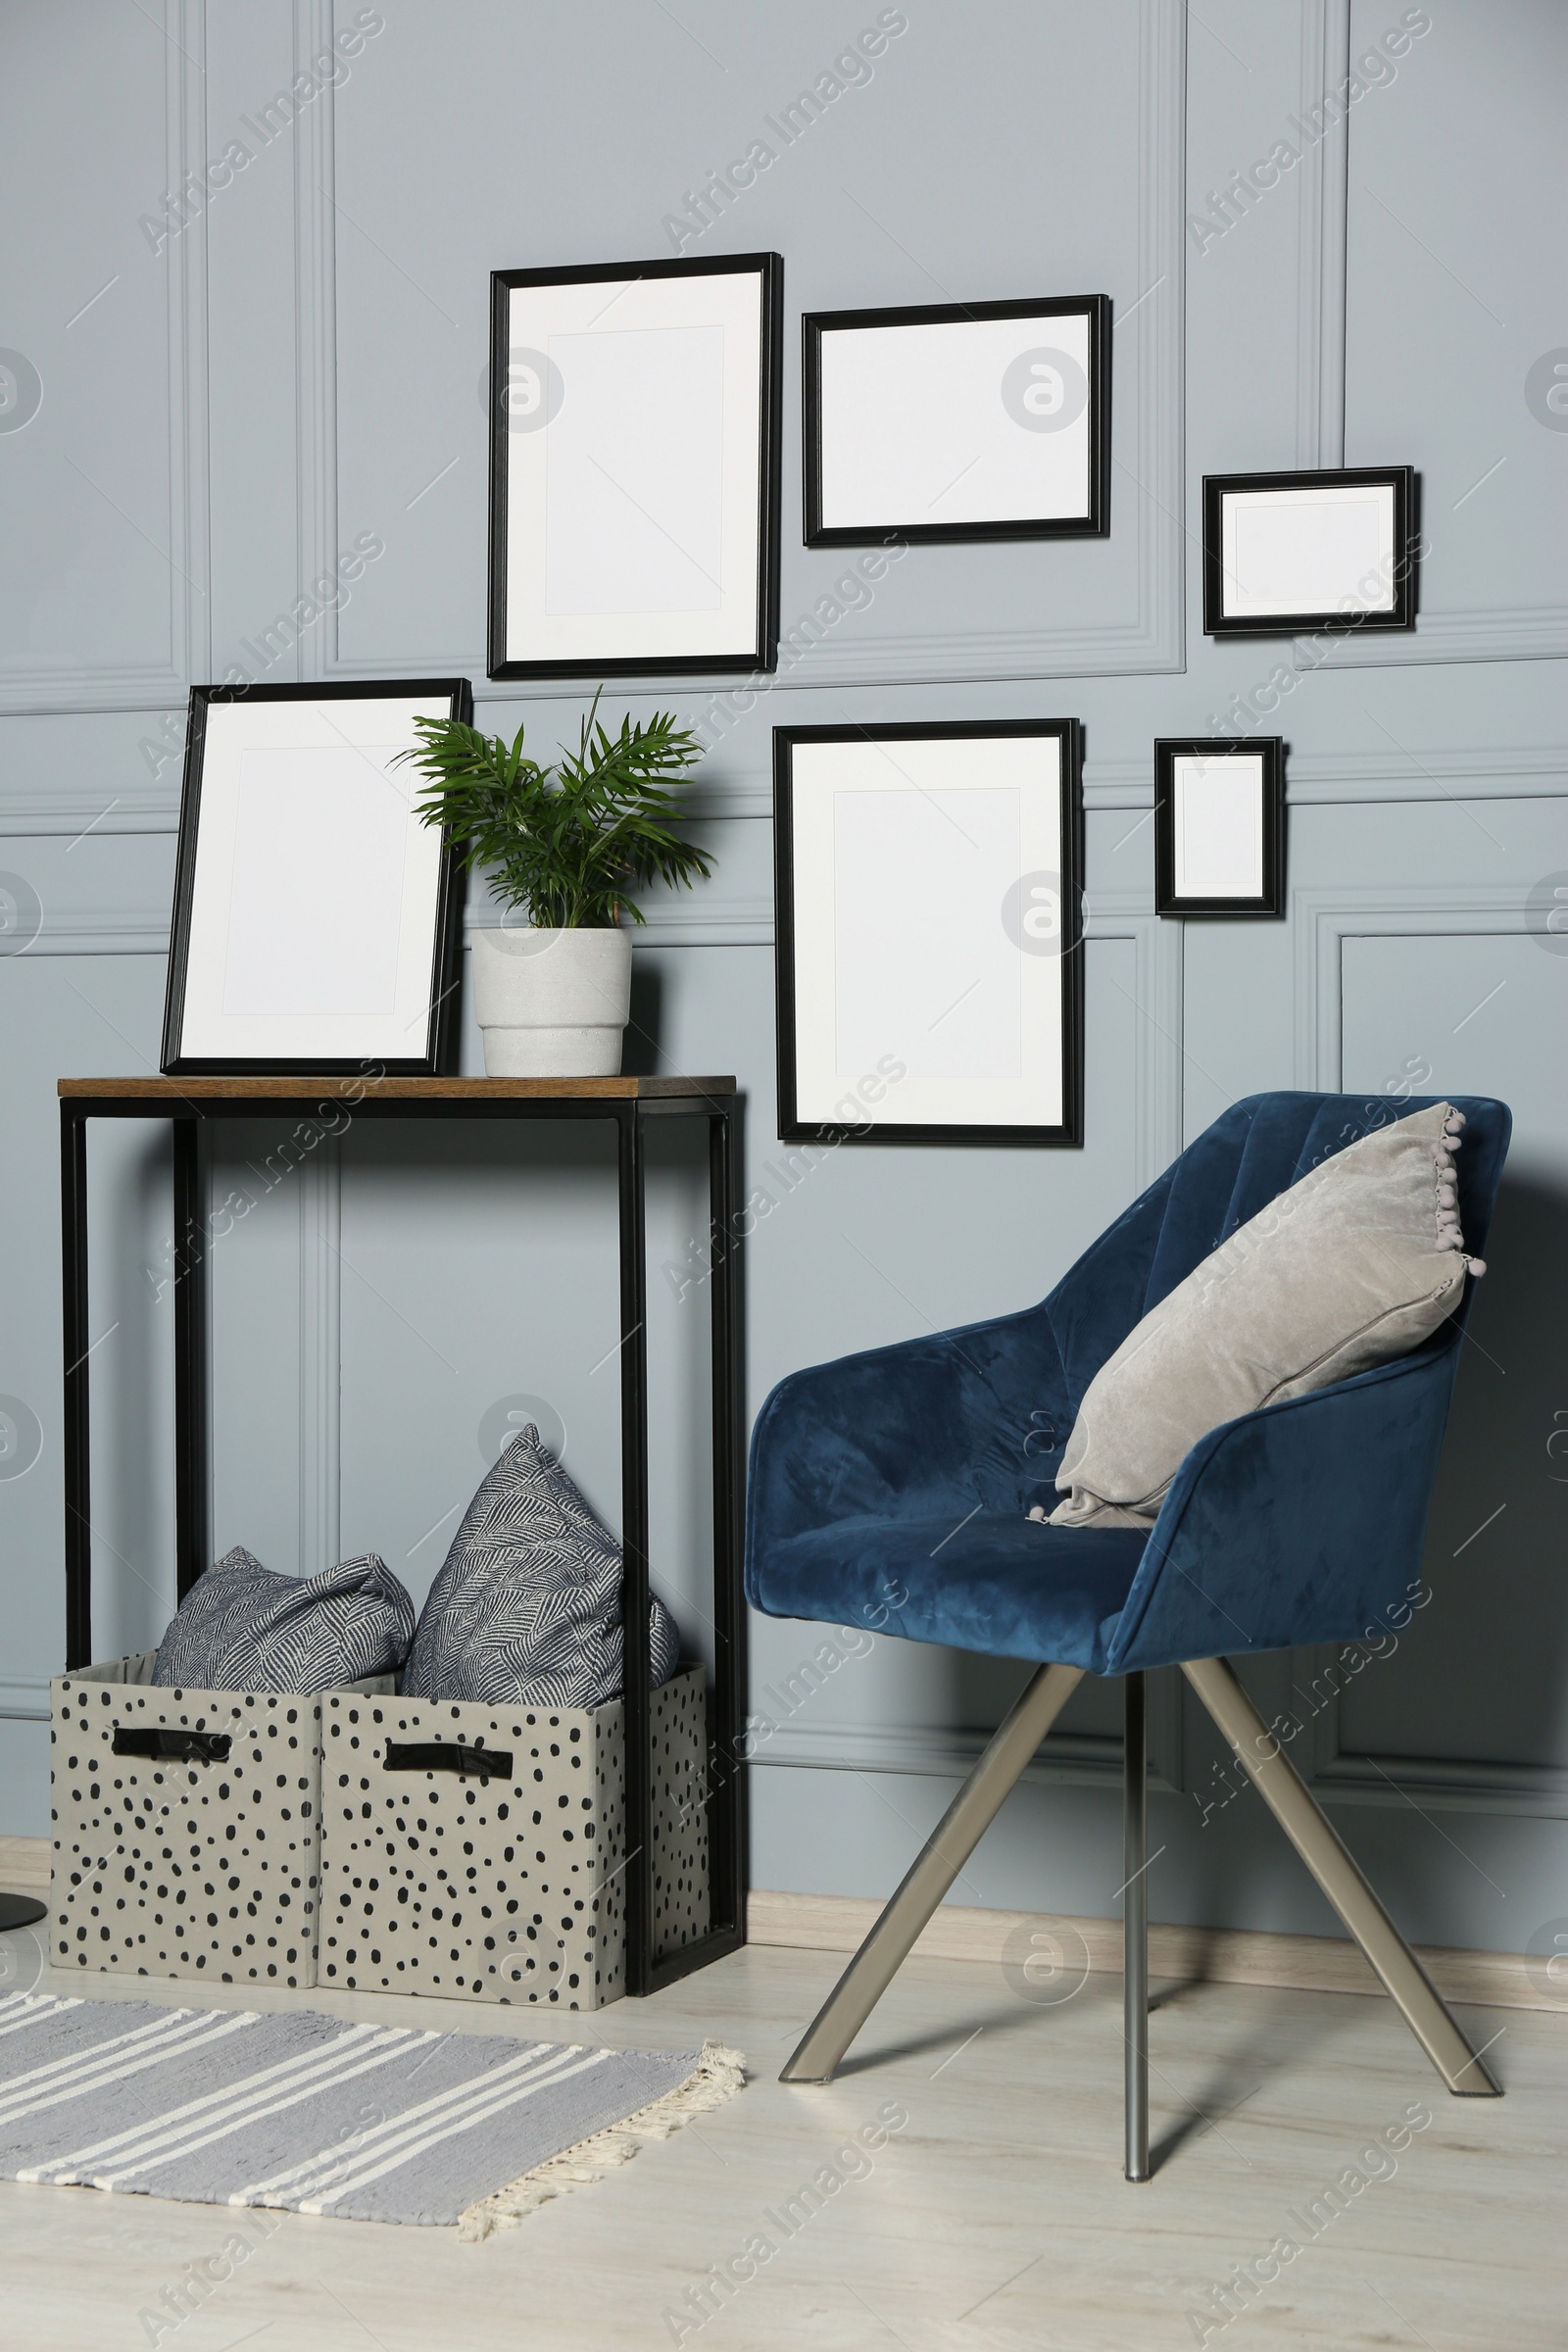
(187,1827)
(478,1853)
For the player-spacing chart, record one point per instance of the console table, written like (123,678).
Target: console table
(630,1103)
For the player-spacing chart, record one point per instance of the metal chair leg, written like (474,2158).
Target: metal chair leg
(957,1834)
(1135,1926)
(1321,1849)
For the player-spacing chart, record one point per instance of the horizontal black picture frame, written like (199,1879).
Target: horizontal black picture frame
(303,876)
(634,446)
(928,881)
(1296,553)
(1219,825)
(998,412)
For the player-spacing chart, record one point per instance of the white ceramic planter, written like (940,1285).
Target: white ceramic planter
(551,1004)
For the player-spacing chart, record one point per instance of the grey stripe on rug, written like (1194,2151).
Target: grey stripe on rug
(368,2122)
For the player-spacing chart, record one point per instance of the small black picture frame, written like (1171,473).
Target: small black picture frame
(961,406)
(1332,550)
(302,872)
(1219,825)
(893,896)
(670,369)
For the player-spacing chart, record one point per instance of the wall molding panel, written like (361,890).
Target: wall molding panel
(24,1699)
(1153,640)
(1523,633)
(1156,639)
(1322,251)
(315,345)
(1447,1783)
(111,933)
(1321,919)
(1082,1759)
(1450,773)
(154,686)
(1518,633)
(1447,1786)
(35,808)
(1157,978)
(1313,779)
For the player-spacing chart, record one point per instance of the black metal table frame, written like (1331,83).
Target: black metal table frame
(726,1777)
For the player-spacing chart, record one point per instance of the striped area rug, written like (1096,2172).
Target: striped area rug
(293,2109)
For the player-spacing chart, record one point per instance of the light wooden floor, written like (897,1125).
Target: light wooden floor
(995,2217)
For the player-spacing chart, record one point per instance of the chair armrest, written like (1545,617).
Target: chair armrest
(977,1415)
(1299,1523)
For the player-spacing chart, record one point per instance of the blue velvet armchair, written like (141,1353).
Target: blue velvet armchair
(894,1488)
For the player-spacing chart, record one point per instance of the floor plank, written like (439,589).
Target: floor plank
(995,2214)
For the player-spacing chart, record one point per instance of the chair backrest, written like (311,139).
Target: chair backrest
(1253,1151)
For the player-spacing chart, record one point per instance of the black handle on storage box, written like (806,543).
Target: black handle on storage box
(440,1755)
(182,1746)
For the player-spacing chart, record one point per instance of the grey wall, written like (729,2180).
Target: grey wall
(230,406)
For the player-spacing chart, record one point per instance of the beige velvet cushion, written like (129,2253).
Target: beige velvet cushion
(1354,1264)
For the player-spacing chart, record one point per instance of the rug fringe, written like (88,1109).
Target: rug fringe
(716,2076)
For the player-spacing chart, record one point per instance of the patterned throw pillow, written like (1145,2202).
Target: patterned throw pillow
(526,1608)
(241,1628)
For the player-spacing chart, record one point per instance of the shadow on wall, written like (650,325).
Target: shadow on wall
(1482,1672)
(639,1053)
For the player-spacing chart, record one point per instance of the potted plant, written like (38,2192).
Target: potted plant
(566,844)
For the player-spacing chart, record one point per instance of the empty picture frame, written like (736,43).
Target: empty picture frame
(958,421)
(317,923)
(1287,553)
(1219,826)
(634,468)
(928,949)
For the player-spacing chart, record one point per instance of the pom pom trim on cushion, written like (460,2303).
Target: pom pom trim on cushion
(1449,1235)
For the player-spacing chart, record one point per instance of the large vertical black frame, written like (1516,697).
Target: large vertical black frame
(441,1025)
(763,655)
(1068,734)
(726,1777)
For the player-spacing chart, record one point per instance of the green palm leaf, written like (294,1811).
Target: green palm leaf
(568,842)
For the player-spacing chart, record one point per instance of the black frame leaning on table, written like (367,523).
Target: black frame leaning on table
(628,1103)
(442,981)
(763,653)
(1092,523)
(1403,486)
(1270,749)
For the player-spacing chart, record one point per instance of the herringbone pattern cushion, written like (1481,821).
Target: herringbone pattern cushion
(526,1608)
(241,1628)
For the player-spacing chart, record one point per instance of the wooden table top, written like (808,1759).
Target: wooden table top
(169,1091)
